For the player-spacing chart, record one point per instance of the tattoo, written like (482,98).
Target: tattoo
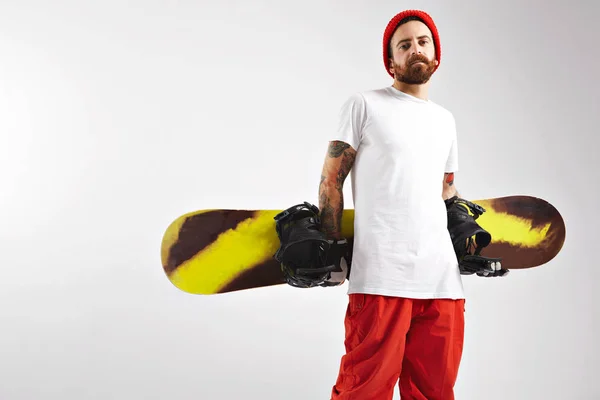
(331,198)
(331,216)
(336,149)
(449,189)
(347,163)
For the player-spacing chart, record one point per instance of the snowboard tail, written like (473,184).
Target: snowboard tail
(224,250)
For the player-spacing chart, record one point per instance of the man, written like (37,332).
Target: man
(404,320)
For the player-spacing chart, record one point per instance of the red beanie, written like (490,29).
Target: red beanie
(393,24)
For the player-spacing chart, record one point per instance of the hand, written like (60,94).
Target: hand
(338,257)
(482,266)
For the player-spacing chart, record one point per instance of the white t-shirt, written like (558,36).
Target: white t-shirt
(404,145)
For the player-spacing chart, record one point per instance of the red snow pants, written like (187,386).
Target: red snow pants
(414,343)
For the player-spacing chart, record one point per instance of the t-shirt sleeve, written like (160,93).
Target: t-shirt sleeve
(351,121)
(452,161)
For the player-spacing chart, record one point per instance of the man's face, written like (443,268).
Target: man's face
(413,53)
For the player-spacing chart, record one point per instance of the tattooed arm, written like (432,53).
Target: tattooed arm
(449,189)
(338,163)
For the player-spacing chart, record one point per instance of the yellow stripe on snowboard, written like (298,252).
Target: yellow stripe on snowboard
(250,243)
(172,234)
(511,229)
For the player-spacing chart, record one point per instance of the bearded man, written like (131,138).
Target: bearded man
(405,316)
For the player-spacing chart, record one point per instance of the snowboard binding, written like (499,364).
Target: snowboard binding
(307,258)
(463,228)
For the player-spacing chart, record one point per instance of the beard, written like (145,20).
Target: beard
(415,73)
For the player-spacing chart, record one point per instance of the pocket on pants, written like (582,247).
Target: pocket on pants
(356,322)
(356,303)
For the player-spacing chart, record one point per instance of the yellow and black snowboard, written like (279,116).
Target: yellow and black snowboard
(220,250)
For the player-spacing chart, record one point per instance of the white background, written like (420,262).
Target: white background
(116,119)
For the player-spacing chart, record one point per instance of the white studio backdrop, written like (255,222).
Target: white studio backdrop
(115,119)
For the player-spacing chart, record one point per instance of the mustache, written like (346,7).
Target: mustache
(416,58)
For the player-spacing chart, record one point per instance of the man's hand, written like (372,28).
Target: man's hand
(469,239)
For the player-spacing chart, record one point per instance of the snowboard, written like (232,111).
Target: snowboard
(216,251)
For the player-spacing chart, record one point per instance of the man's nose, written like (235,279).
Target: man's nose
(416,49)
